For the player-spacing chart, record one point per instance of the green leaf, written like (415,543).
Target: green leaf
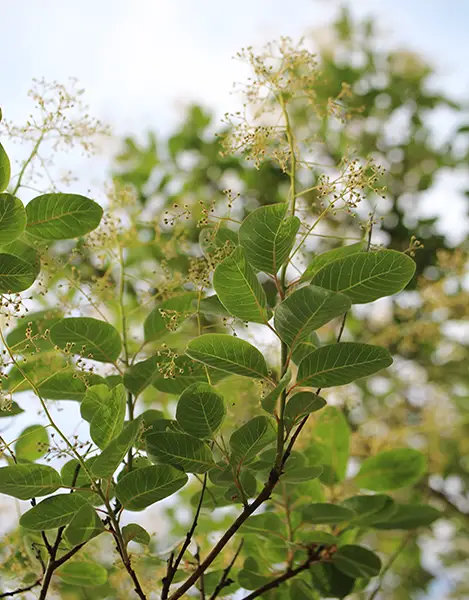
(323,513)
(325,258)
(370,509)
(300,590)
(84,525)
(269,402)
(135,533)
(29,481)
(32,444)
(367,276)
(52,512)
(302,404)
(356,561)
(239,289)
(12,218)
(10,410)
(73,474)
(329,581)
(88,337)
(168,315)
(145,486)
(341,363)
(391,470)
(5,169)
(82,574)
(68,385)
(22,250)
(251,438)
(62,216)
(104,409)
(219,240)
(300,474)
(200,410)
(211,306)
(180,450)
(211,580)
(33,333)
(16,275)
(249,577)
(263,525)
(267,237)
(306,310)
(305,348)
(331,434)
(409,516)
(112,456)
(228,353)
(141,374)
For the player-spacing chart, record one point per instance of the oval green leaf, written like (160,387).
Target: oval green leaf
(252,437)
(12,218)
(112,456)
(410,516)
(28,481)
(200,410)
(180,450)
(228,353)
(32,443)
(135,533)
(367,276)
(82,574)
(323,513)
(239,290)
(5,169)
(68,385)
(306,310)
(52,512)
(62,216)
(325,258)
(391,470)
(84,525)
(104,409)
(341,363)
(145,486)
(16,275)
(88,337)
(356,561)
(267,237)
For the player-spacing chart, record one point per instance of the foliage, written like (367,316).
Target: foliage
(208,360)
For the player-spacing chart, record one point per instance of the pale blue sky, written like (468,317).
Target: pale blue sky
(142,61)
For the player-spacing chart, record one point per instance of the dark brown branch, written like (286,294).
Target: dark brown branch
(224,581)
(21,590)
(174,564)
(279,580)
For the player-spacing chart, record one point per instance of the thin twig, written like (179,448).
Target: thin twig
(224,578)
(22,590)
(174,564)
(389,564)
(289,574)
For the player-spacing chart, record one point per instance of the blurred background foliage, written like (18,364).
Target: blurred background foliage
(164,189)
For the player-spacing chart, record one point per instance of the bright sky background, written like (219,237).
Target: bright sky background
(141,61)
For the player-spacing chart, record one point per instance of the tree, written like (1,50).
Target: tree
(171,383)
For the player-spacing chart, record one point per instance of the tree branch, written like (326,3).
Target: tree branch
(224,578)
(173,566)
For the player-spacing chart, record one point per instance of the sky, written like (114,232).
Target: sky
(142,61)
